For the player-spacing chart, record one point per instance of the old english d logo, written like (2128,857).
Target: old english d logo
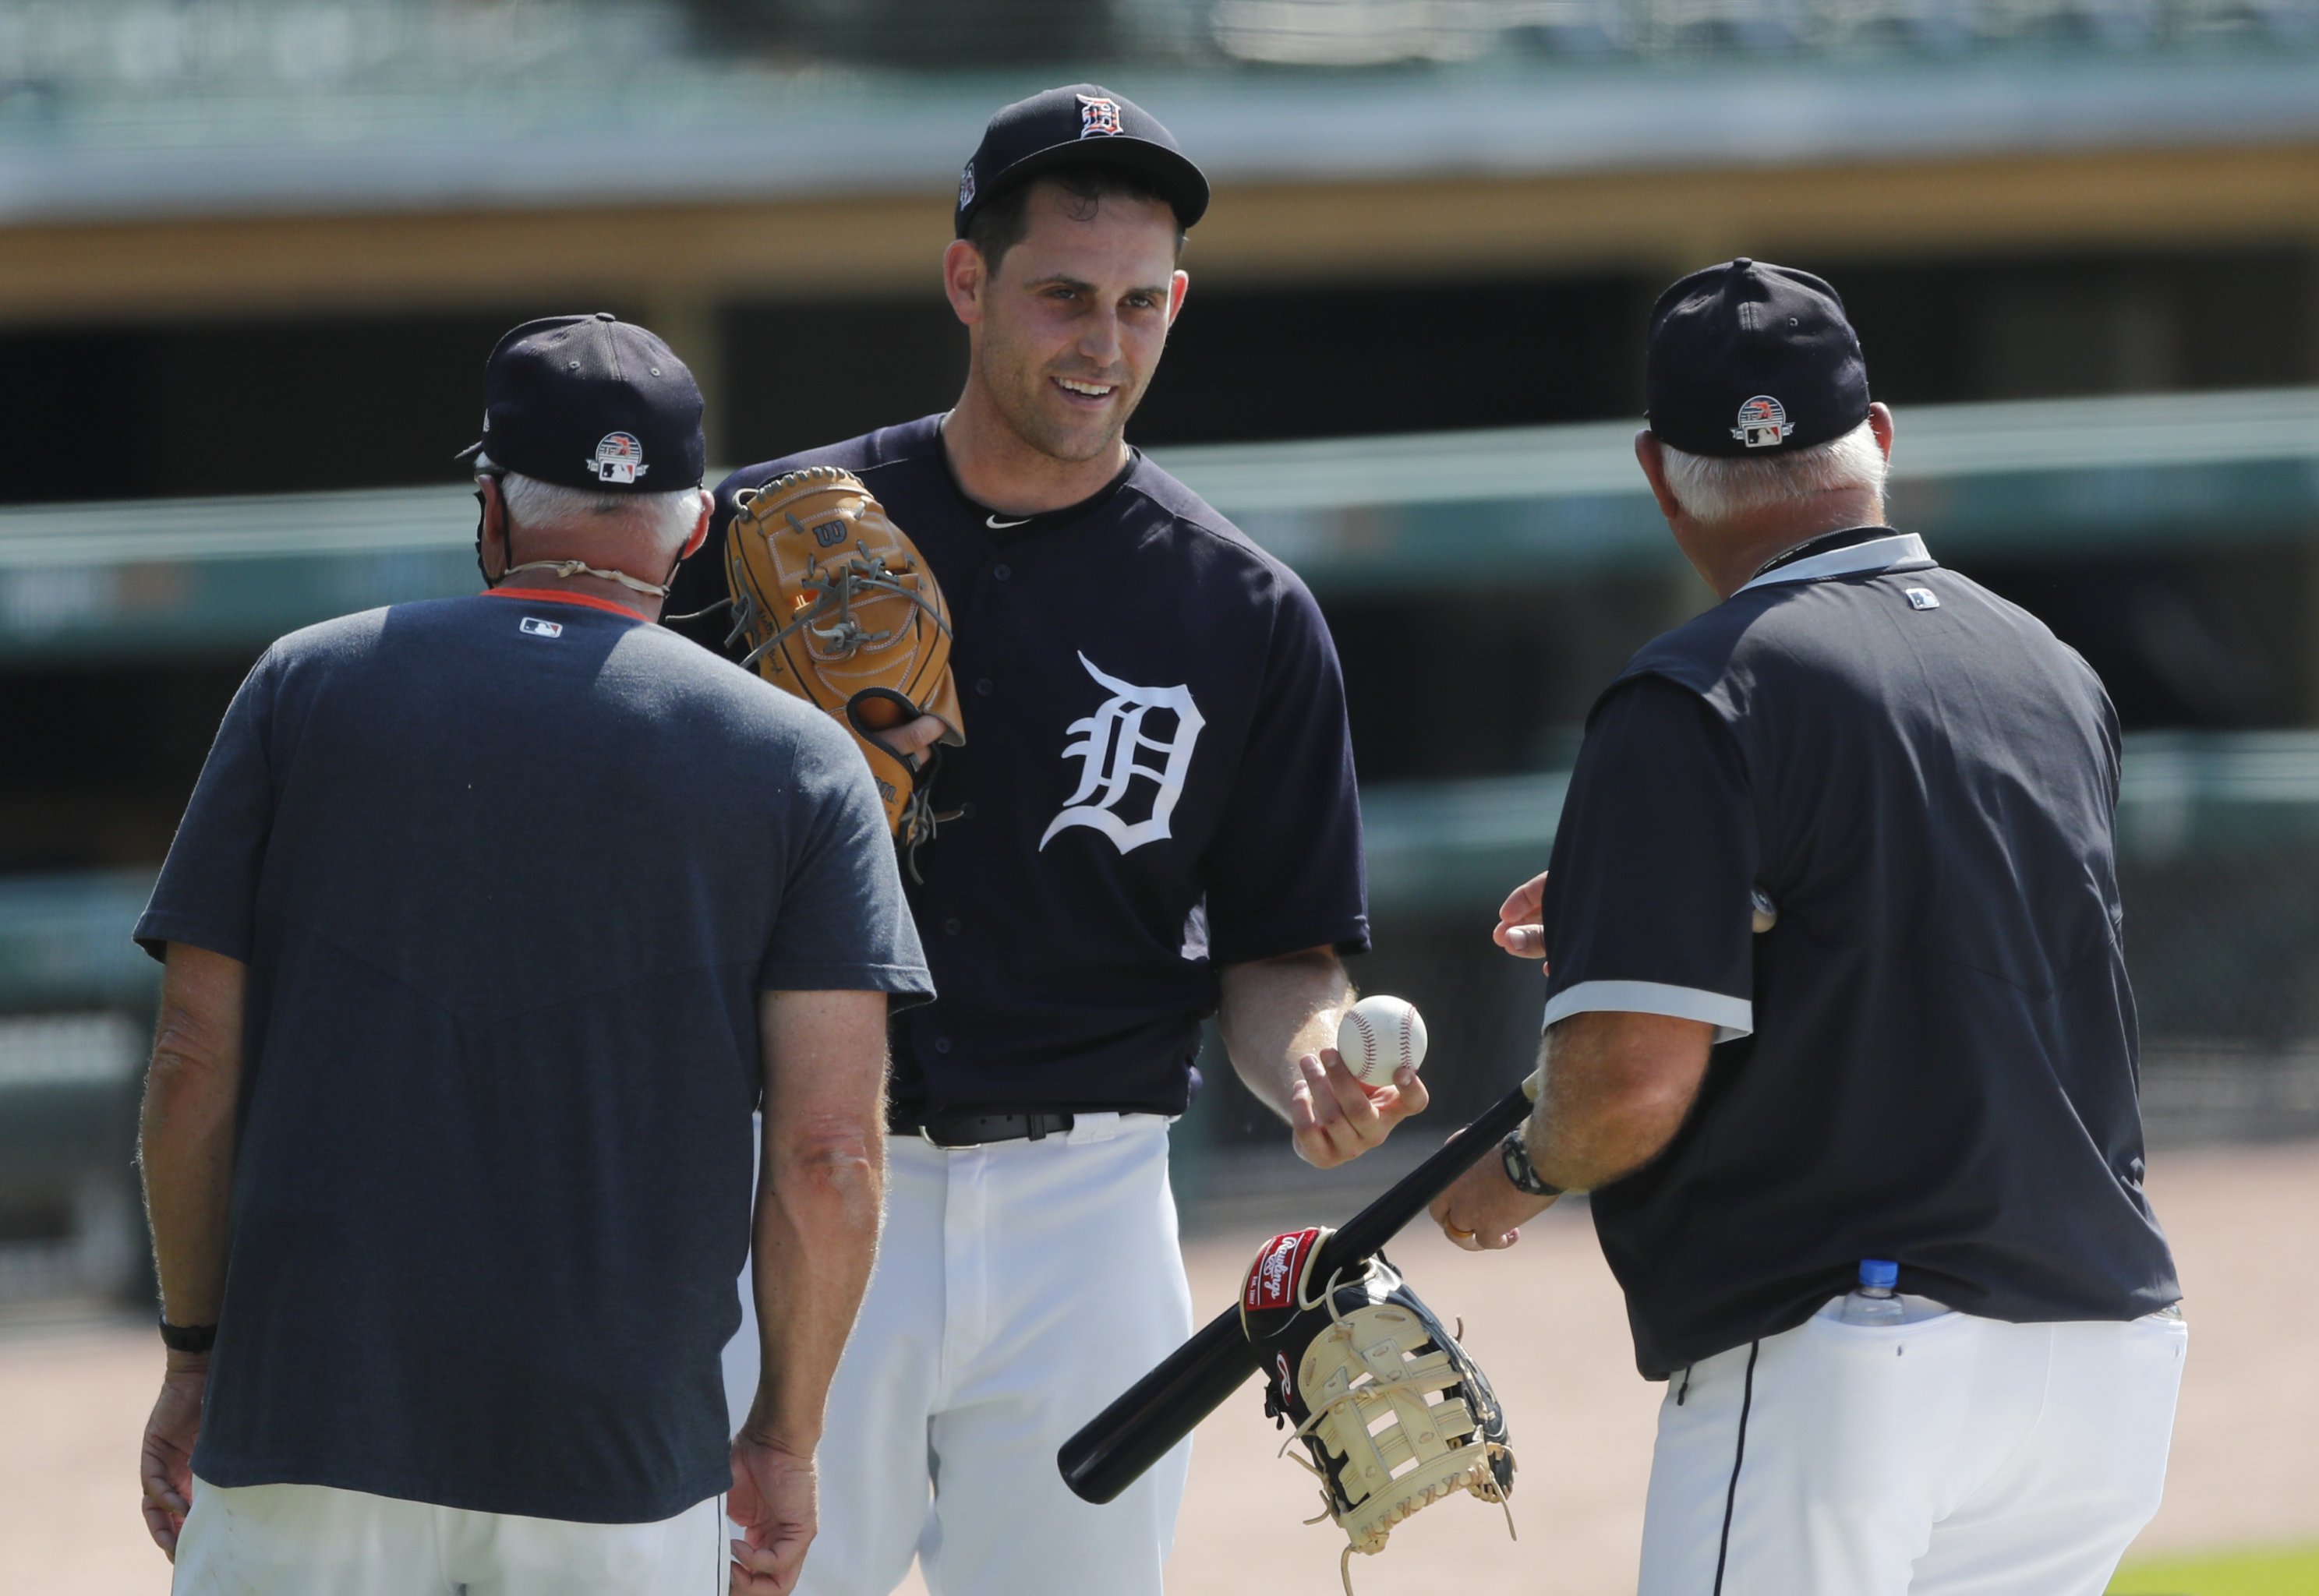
(1106,744)
(1098,118)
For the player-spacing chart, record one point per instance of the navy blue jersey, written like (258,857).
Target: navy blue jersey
(1930,1056)
(1157,781)
(509,873)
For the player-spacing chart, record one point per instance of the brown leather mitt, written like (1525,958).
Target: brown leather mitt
(840,608)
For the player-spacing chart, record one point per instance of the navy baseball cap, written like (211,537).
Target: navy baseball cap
(1750,359)
(592,402)
(1084,125)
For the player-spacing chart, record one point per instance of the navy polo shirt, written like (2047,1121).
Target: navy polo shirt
(1157,780)
(1931,1056)
(509,873)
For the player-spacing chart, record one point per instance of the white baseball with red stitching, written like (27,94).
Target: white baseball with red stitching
(1378,1035)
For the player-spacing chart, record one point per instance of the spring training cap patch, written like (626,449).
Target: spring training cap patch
(620,459)
(1751,359)
(1079,125)
(1279,1267)
(1764,423)
(584,401)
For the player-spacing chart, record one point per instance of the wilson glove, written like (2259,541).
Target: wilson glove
(839,608)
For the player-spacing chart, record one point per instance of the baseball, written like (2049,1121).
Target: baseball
(1378,1035)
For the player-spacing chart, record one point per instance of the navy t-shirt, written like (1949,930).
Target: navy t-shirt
(509,873)
(1931,1055)
(1157,781)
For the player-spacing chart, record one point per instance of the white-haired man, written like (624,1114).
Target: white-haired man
(490,921)
(1839,1033)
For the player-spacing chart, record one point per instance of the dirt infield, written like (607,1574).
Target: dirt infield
(1544,1320)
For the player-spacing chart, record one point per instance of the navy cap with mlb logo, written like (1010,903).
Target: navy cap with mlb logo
(1084,125)
(592,402)
(1752,359)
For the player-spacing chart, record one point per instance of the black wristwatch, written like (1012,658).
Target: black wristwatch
(1513,1152)
(188,1338)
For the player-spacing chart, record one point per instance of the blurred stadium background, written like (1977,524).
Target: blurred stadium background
(252,254)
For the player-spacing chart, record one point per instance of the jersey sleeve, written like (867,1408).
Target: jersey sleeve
(207,893)
(843,924)
(1647,907)
(1287,870)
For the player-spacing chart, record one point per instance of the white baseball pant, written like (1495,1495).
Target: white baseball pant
(1952,1455)
(317,1540)
(1020,1286)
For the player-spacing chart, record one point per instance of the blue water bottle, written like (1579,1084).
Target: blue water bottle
(1872,1301)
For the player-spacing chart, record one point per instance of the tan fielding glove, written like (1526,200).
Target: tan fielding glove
(840,608)
(1354,1364)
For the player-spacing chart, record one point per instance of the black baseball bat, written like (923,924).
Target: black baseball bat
(1114,1447)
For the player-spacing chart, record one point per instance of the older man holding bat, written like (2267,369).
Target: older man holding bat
(1838,1033)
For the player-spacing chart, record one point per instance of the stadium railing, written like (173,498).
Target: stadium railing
(1530,505)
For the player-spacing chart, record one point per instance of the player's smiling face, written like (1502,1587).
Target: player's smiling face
(1072,327)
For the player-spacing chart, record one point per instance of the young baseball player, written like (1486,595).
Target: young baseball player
(1838,1030)
(1153,818)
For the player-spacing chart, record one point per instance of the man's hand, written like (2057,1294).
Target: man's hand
(913,739)
(1484,1211)
(776,1501)
(166,1467)
(1521,929)
(1278,1016)
(1335,1118)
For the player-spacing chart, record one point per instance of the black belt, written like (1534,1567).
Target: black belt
(957,1128)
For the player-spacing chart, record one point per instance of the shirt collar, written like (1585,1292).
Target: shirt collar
(1010,529)
(557,596)
(1903,551)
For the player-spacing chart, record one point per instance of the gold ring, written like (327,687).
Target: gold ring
(1455,1233)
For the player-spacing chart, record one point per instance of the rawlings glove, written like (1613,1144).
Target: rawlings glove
(1396,1415)
(840,608)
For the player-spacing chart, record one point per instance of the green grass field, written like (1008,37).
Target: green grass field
(2279,1572)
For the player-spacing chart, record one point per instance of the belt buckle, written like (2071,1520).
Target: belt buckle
(927,1136)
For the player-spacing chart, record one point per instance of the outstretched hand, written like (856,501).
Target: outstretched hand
(1335,1117)
(1521,928)
(776,1502)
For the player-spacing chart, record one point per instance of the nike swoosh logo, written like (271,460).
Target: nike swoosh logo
(996,525)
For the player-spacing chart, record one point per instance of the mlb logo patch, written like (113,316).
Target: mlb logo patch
(1764,423)
(620,459)
(537,627)
(1922,599)
(1098,118)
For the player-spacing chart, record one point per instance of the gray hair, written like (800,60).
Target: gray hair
(664,521)
(1716,489)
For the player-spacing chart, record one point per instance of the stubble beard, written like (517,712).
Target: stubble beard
(1020,404)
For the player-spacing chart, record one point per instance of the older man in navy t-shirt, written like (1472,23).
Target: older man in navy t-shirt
(491,921)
